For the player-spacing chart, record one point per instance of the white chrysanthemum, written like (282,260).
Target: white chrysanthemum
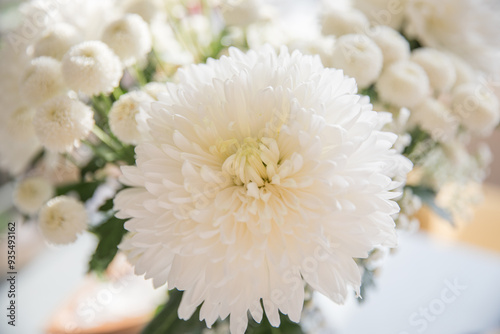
(31,193)
(263,172)
(404,84)
(393,45)
(19,123)
(468,28)
(438,66)
(62,122)
(315,45)
(464,72)
(359,57)
(129,37)
(340,22)
(92,68)
(122,116)
(434,117)
(57,40)
(42,80)
(477,107)
(61,220)
(383,12)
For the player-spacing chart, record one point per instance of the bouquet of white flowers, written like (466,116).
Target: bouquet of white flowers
(243,164)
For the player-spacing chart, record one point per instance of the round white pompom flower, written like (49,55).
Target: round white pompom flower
(438,66)
(393,45)
(404,84)
(61,219)
(42,80)
(359,57)
(122,116)
(477,107)
(62,122)
(435,118)
(31,193)
(92,68)
(264,171)
(57,40)
(129,37)
(340,22)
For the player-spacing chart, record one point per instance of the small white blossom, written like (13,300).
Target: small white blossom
(438,66)
(92,68)
(404,84)
(61,219)
(41,80)
(129,37)
(434,117)
(62,122)
(57,40)
(340,22)
(31,193)
(477,107)
(393,45)
(123,113)
(359,57)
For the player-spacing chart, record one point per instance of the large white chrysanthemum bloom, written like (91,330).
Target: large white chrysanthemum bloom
(62,122)
(340,22)
(42,80)
(434,117)
(359,57)
(438,66)
(129,37)
(61,219)
(477,107)
(57,40)
(31,193)
(92,68)
(404,84)
(122,116)
(263,172)
(393,45)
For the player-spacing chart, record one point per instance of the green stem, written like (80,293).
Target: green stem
(106,139)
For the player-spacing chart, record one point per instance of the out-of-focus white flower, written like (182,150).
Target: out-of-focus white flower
(477,107)
(122,116)
(273,33)
(154,89)
(438,66)
(61,219)
(19,123)
(359,57)
(57,40)
(434,117)
(92,68)
(383,12)
(42,80)
(31,193)
(464,72)
(244,12)
(315,45)
(147,9)
(468,28)
(62,122)
(340,22)
(129,37)
(254,170)
(393,45)
(404,84)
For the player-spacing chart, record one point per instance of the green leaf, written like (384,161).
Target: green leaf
(166,321)
(108,205)
(428,197)
(84,189)
(110,234)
